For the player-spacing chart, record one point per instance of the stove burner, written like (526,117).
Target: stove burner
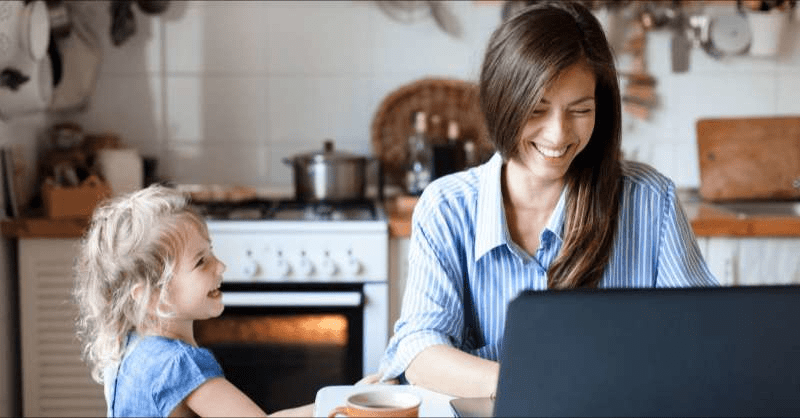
(289,210)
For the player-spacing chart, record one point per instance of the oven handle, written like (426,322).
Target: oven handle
(350,299)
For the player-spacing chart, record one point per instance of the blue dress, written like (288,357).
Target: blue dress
(155,375)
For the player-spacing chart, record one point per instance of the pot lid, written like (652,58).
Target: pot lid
(328,153)
(730,33)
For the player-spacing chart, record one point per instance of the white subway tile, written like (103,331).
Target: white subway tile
(234,164)
(312,38)
(294,109)
(185,119)
(218,109)
(129,105)
(218,37)
(788,91)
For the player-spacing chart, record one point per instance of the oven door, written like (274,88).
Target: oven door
(281,343)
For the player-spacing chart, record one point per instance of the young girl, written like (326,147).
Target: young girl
(145,273)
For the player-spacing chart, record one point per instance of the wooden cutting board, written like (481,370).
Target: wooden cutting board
(749,158)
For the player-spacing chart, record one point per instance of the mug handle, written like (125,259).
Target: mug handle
(338,410)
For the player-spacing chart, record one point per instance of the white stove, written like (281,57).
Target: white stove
(285,241)
(287,254)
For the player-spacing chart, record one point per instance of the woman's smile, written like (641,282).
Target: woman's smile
(551,153)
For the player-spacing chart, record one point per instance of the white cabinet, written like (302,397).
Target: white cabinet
(752,260)
(55,381)
(398,271)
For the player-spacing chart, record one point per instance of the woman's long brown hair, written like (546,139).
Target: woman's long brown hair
(524,54)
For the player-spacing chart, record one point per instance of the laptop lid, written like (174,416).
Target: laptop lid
(725,351)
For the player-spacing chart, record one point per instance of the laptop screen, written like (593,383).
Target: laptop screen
(731,351)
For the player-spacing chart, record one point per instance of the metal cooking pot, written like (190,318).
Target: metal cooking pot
(329,175)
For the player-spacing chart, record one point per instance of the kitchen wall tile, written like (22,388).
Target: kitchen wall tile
(184,106)
(129,105)
(340,42)
(292,103)
(702,63)
(344,108)
(685,166)
(233,164)
(788,82)
(280,173)
(185,162)
(402,49)
(215,37)
(217,108)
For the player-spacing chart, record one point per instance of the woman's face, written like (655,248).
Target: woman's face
(559,127)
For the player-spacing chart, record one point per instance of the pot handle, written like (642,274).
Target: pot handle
(381,177)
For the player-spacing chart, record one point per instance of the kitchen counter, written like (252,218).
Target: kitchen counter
(44,227)
(707,219)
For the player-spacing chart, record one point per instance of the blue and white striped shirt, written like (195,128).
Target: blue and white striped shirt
(459,233)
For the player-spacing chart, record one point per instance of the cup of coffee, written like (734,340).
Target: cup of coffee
(379,403)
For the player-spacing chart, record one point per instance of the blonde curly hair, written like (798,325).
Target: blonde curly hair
(126,259)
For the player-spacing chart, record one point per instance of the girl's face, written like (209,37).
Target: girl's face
(560,126)
(194,289)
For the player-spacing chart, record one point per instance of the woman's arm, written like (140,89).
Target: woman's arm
(448,370)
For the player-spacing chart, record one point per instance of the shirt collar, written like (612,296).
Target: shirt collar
(490,217)
(491,228)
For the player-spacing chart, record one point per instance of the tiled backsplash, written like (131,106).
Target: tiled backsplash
(221,92)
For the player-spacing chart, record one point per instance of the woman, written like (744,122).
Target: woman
(553,209)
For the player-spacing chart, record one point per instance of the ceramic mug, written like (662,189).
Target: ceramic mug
(379,403)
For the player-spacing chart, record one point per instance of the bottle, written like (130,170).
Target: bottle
(447,156)
(453,141)
(418,170)
(470,153)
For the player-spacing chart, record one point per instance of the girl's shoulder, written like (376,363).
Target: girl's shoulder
(161,350)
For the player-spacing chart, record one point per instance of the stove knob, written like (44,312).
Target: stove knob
(305,267)
(282,267)
(249,268)
(352,266)
(328,267)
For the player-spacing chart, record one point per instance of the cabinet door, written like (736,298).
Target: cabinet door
(55,381)
(721,254)
(774,260)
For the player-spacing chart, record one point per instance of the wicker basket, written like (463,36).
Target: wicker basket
(442,100)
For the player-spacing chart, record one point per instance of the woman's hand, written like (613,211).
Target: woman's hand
(372,379)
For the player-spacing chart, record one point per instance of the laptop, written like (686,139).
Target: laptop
(724,351)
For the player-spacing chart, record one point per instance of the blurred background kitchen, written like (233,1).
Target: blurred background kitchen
(221,92)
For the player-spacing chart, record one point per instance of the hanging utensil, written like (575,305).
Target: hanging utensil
(444,18)
(411,11)
(680,45)
(728,34)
